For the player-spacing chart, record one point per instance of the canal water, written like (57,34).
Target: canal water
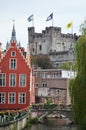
(53,124)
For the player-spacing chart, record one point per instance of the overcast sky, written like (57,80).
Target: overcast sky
(63,12)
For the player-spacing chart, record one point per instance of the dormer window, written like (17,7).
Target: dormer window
(13,53)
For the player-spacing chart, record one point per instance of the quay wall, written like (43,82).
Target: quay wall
(18,124)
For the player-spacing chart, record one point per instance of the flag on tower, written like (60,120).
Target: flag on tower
(30,18)
(69,25)
(49,17)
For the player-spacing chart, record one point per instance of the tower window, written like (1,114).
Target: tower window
(40,47)
(33,49)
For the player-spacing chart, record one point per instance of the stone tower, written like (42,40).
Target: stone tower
(52,42)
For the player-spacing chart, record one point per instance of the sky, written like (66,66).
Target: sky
(63,11)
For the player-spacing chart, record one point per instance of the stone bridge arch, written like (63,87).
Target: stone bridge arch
(66,113)
(46,112)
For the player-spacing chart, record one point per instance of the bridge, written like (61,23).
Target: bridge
(62,112)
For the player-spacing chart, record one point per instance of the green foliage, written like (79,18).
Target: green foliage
(40,61)
(34,120)
(83,28)
(14,127)
(69,66)
(71,82)
(81,55)
(78,86)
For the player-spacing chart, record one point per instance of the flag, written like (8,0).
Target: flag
(49,17)
(30,18)
(69,25)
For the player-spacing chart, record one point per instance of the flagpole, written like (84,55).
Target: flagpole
(72,28)
(33,21)
(52,22)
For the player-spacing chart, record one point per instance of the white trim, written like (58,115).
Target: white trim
(5,79)
(19,97)
(10,64)
(25,79)
(4,97)
(15,79)
(14,97)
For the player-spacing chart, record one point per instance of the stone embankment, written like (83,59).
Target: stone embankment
(17,124)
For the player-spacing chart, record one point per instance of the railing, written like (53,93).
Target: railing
(44,112)
(9,119)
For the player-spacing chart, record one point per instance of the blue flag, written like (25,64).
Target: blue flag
(49,17)
(30,18)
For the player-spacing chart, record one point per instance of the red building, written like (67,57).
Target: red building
(16,84)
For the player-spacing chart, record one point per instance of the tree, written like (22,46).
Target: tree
(83,28)
(78,86)
(69,66)
(41,61)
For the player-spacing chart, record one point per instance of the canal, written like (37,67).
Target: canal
(53,124)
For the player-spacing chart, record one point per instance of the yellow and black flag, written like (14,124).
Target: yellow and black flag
(69,25)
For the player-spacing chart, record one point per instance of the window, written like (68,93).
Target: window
(22,80)
(12,80)
(36,74)
(2,98)
(40,47)
(2,80)
(13,53)
(33,49)
(44,84)
(22,98)
(12,63)
(36,84)
(44,74)
(55,75)
(11,98)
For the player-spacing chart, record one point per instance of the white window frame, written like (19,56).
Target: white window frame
(11,98)
(3,80)
(2,98)
(22,98)
(44,75)
(13,64)
(12,78)
(22,80)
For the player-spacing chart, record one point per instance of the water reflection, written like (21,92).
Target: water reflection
(56,121)
(44,127)
(53,124)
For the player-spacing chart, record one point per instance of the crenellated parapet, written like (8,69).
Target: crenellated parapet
(50,39)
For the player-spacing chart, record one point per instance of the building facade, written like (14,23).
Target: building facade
(16,78)
(52,42)
(51,85)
